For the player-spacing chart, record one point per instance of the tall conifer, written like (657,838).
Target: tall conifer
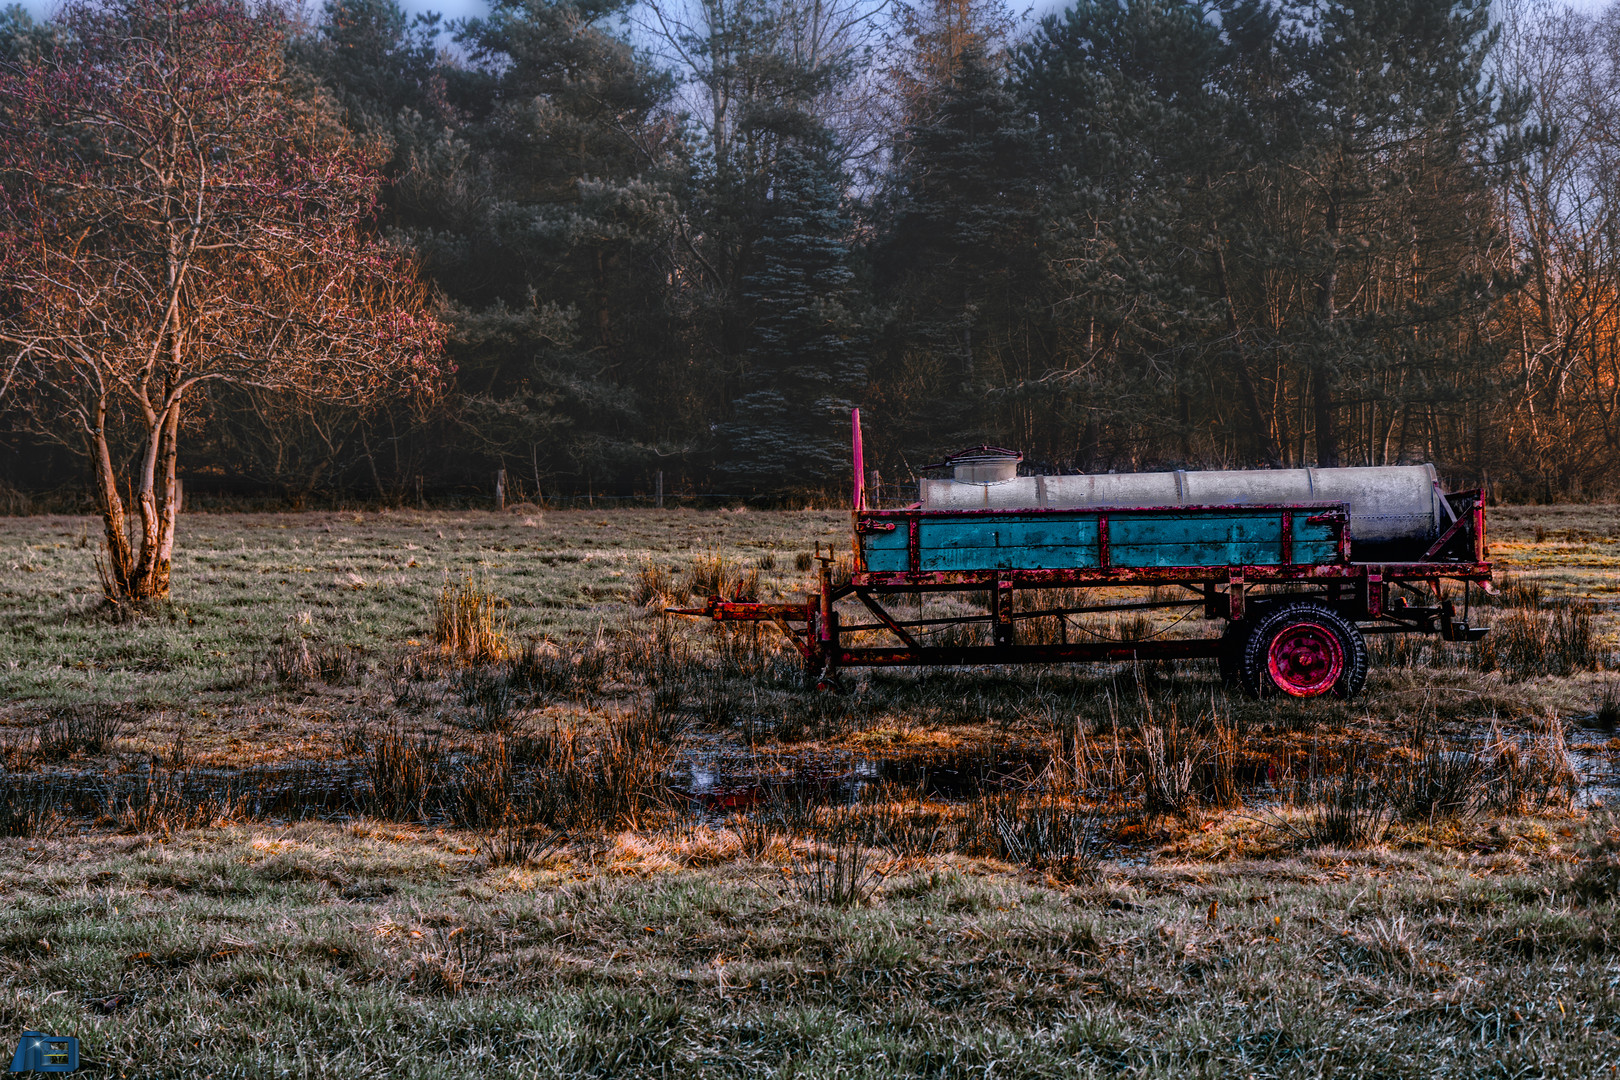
(960,263)
(805,364)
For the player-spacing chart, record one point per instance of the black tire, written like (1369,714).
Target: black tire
(1255,669)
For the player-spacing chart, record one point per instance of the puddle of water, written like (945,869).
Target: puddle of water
(1596,763)
(292,790)
(717,778)
(720,778)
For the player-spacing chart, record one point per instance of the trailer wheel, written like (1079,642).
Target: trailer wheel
(1304,650)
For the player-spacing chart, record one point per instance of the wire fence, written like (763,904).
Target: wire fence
(207,498)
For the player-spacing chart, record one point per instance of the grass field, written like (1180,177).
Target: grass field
(366,583)
(1178,883)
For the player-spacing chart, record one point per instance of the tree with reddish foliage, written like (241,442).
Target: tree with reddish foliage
(172,215)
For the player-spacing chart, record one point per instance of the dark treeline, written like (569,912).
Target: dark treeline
(688,235)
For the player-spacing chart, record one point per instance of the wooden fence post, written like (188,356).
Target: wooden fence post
(500,489)
(660,489)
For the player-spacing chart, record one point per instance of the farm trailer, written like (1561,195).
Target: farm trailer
(1301,564)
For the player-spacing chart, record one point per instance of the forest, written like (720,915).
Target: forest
(674,242)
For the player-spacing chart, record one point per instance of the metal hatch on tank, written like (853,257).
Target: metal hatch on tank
(1297,565)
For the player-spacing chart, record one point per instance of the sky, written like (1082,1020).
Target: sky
(450,9)
(460,9)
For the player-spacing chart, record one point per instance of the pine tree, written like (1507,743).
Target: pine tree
(1390,180)
(536,180)
(1270,229)
(1135,136)
(805,365)
(959,262)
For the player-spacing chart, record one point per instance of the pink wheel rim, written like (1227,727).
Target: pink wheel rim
(1305,659)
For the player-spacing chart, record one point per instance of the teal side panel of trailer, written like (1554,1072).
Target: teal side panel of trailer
(1008,542)
(1058,541)
(886,551)
(1217,538)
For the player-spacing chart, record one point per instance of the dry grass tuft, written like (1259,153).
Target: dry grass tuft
(1169,756)
(468,623)
(166,801)
(1597,878)
(713,573)
(294,664)
(1526,643)
(839,875)
(450,962)
(28,807)
(655,585)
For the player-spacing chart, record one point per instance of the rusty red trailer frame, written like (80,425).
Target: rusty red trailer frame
(1360,592)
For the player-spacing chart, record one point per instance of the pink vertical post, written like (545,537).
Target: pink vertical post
(860,461)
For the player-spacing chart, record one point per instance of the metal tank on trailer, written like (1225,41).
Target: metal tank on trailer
(1394,509)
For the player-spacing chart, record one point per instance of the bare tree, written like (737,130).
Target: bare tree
(1563,211)
(171,217)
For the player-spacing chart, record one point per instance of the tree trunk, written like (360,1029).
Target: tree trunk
(1327,439)
(168,504)
(132,575)
(1090,442)
(115,571)
(1265,443)
(1327,435)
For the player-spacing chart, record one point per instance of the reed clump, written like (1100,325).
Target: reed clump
(1055,836)
(171,800)
(839,874)
(28,807)
(65,733)
(713,573)
(1530,771)
(545,668)
(1351,810)
(1442,783)
(403,773)
(1557,638)
(468,622)
(521,845)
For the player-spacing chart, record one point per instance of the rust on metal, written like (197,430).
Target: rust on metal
(1171,649)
